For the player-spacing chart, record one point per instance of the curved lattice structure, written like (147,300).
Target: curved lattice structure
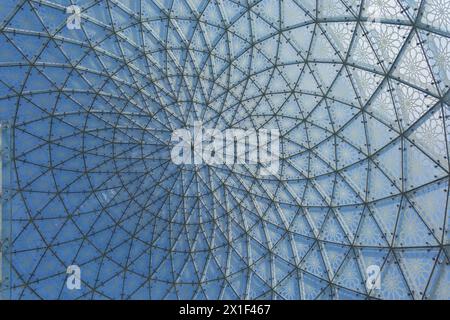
(358,90)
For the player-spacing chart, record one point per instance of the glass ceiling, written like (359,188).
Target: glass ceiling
(359,90)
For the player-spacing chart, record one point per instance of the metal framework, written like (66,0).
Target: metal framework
(362,104)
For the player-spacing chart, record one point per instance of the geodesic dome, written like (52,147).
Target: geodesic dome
(357,89)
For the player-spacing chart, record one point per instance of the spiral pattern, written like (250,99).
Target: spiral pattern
(358,90)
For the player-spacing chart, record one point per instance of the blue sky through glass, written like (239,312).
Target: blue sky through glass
(357,89)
